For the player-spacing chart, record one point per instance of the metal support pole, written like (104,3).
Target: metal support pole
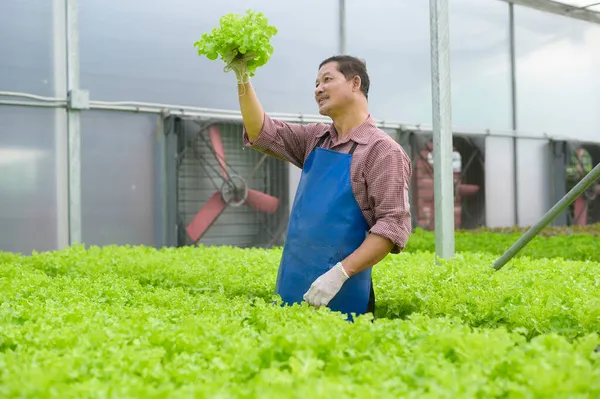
(342,26)
(513,92)
(59,66)
(442,129)
(172,135)
(74,122)
(561,205)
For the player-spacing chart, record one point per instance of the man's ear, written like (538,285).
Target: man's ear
(356,83)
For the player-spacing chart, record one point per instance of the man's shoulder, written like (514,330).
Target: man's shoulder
(319,128)
(382,142)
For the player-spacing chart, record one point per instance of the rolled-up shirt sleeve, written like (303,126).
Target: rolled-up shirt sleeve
(387,185)
(283,140)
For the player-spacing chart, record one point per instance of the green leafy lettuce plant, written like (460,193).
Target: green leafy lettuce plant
(243,42)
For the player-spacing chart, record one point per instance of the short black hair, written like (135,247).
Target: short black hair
(351,66)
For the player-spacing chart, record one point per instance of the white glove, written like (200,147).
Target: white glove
(326,286)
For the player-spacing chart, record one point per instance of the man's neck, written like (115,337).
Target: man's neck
(344,123)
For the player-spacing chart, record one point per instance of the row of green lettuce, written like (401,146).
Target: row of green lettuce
(199,322)
(582,243)
(534,296)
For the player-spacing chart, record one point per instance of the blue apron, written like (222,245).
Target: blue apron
(326,225)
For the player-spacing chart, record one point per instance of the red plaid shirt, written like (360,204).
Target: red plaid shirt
(380,172)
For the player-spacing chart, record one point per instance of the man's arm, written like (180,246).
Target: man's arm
(283,140)
(252,110)
(370,252)
(387,185)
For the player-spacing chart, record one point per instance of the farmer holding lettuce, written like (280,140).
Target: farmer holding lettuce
(351,207)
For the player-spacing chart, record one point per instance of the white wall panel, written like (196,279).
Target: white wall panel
(499,187)
(533,180)
(26,46)
(117,178)
(28,205)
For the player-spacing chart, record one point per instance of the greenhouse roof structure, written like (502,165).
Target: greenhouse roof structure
(586,10)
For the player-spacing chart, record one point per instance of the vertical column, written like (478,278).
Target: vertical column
(76,101)
(59,66)
(558,150)
(172,137)
(342,26)
(160,181)
(442,129)
(513,92)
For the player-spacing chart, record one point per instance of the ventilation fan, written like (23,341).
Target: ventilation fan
(233,191)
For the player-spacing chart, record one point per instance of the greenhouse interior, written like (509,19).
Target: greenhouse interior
(107,113)
(164,234)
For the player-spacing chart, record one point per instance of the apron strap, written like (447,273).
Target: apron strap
(322,140)
(353,148)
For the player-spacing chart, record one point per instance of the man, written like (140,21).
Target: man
(351,208)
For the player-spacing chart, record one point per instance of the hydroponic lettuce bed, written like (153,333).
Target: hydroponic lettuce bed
(573,243)
(124,322)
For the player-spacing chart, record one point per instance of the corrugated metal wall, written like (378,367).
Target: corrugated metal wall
(28,194)
(117,179)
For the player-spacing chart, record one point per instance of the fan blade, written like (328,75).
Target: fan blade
(262,202)
(215,138)
(206,216)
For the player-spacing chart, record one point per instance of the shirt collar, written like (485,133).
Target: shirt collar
(360,134)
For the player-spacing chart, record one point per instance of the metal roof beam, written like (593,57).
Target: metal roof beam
(555,7)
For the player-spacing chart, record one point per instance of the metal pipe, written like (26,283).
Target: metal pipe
(561,205)
(59,103)
(30,96)
(513,92)
(209,114)
(342,26)
(73,123)
(443,179)
(31,104)
(162,106)
(487,133)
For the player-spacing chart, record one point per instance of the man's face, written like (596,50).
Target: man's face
(332,90)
